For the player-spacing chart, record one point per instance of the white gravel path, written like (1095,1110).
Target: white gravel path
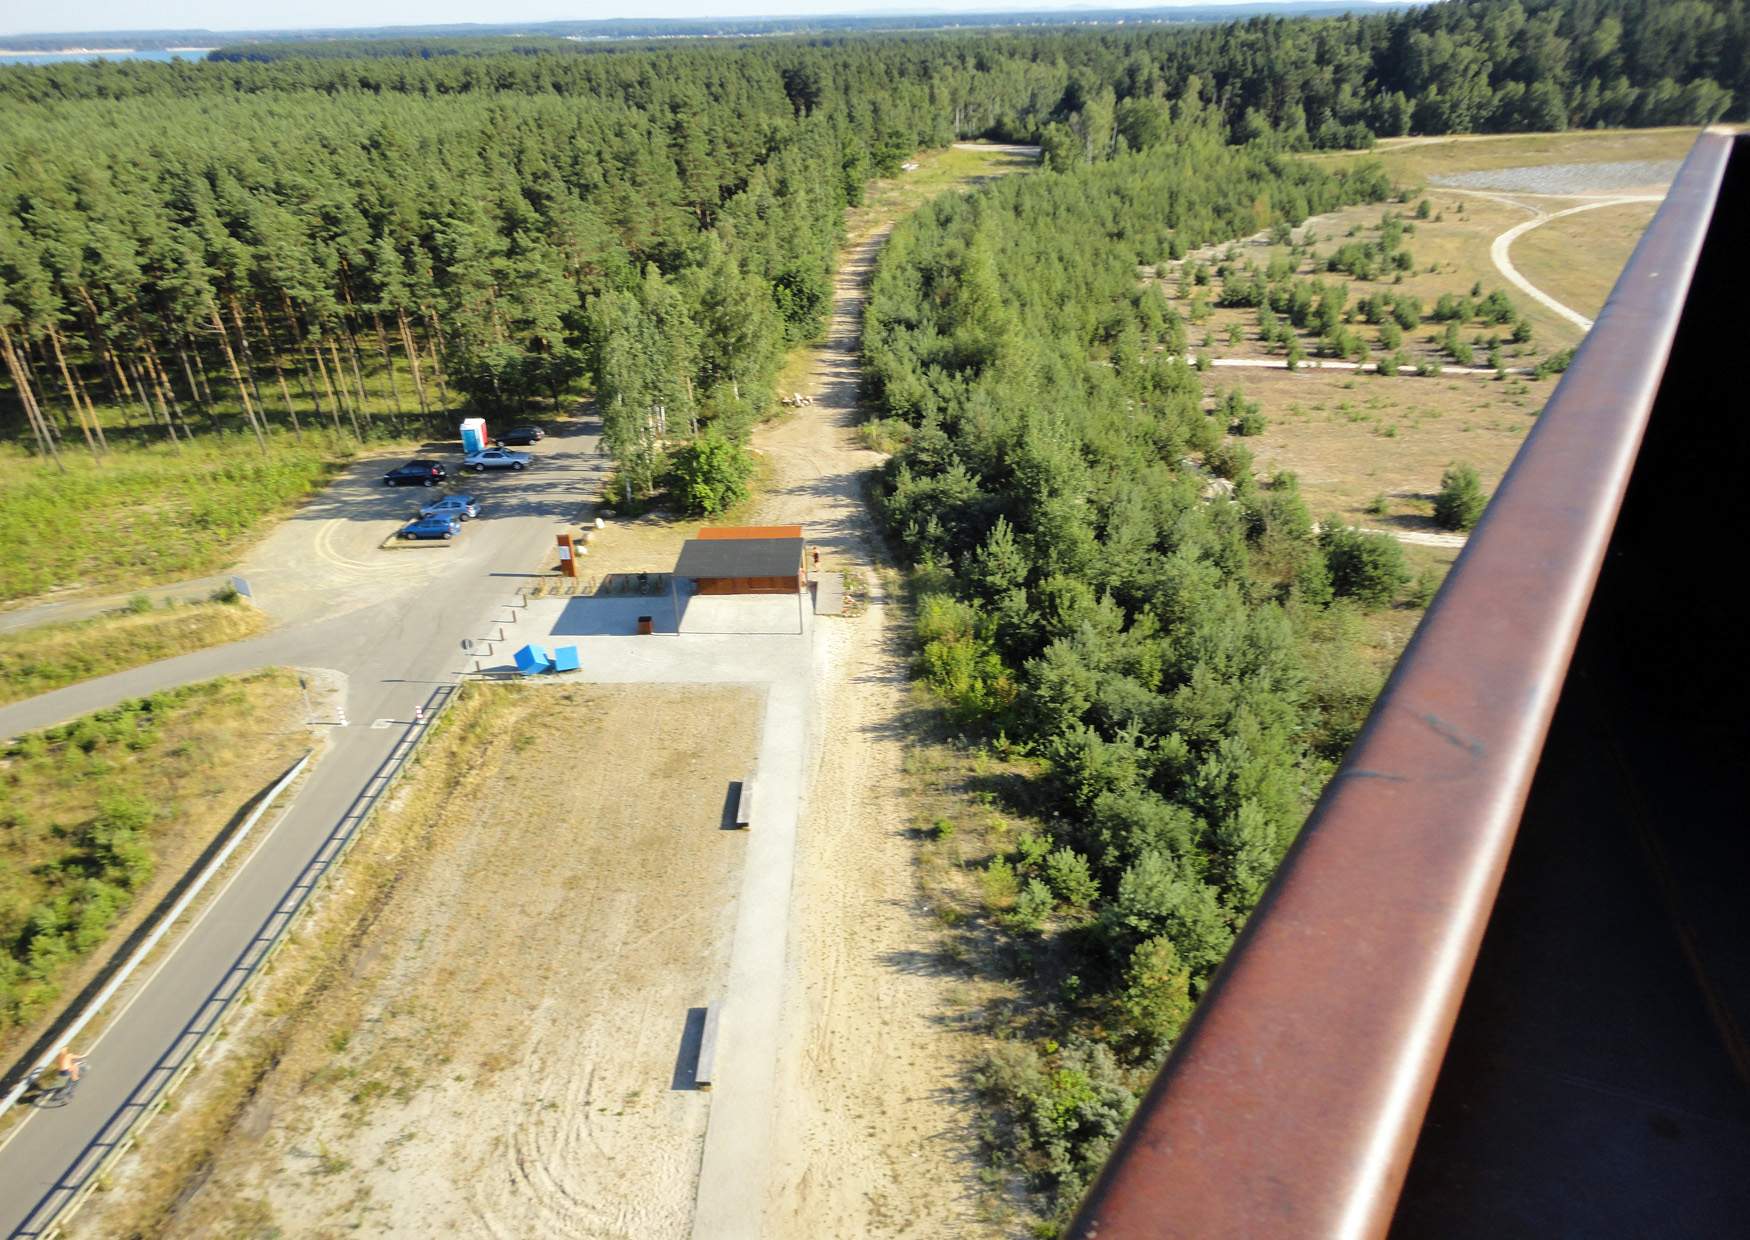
(1498,251)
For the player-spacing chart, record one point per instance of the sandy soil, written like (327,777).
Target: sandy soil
(465,1076)
(873,1136)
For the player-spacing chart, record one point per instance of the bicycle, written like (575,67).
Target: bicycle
(61,1093)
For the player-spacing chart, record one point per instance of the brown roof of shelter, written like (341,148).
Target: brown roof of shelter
(741,557)
(740,533)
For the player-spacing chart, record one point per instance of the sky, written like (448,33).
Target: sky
(20,17)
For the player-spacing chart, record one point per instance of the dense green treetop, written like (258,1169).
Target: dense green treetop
(192,241)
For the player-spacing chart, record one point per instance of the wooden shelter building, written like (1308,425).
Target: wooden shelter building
(754,559)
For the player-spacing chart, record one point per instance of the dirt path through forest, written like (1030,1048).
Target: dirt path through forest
(871,1137)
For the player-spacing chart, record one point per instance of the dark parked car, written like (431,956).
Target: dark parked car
(522,435)
(431,527)
(416,473)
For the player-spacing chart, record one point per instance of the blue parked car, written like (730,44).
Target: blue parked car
(431,527)
(461,507)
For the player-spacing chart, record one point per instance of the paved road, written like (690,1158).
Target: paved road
(395,643)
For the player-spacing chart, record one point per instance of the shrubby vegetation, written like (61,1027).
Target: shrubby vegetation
(42,657)
(82,807)
(148,514)
(1179,657)
(710,475)
(1460,501)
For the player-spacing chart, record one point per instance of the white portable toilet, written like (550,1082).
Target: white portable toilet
(474,436)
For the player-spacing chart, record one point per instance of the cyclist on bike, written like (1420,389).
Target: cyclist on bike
(70,1067)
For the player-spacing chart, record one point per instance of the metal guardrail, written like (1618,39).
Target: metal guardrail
(1293,1103)
(150,1095)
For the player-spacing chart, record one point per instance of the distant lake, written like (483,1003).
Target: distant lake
(62,58)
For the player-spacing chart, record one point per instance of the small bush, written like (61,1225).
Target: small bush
(1001,887)
(1156,1000)
(1071,878)
(1423,589)
(1554,364)
(885,435)
(1033,905)
(1368,568)
(1241,415)
(959,660)
(1460,501)
(711,474)
(1066,1106)
(1230,460)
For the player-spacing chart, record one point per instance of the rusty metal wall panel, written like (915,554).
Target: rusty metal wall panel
(1292,1105)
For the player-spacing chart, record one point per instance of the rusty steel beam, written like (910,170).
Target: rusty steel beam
(1292,1104)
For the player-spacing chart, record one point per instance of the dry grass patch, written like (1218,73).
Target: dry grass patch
(100,816)
(49,656)
(962,801)
(480,1029)
(1578,258)
(1357,439)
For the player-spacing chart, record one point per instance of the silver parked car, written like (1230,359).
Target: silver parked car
(496,458)
(461,507)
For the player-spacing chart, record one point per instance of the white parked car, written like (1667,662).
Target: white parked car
(496,458)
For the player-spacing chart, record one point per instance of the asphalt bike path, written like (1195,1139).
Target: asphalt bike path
(394,655)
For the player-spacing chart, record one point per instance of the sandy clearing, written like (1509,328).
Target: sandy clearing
(501,1055)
